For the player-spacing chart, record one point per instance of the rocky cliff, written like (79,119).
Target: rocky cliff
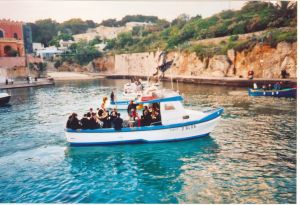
(265,61)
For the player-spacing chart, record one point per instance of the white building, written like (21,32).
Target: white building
(65,44)
(48,52)
(37,46)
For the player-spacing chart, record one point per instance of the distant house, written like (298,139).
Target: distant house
(48,52)
(37,46)
(133,24)
(64,45)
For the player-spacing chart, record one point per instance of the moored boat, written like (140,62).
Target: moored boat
(287,92)
(177,124)
(4,98)
(148,95)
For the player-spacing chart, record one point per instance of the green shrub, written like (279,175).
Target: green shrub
(233,38)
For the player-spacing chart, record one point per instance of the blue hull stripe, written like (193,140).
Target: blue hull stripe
(176,98)
(216,113)
(289,92)
(137,141)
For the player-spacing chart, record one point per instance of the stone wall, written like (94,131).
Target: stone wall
(136,63)
(10,62)
(16,72)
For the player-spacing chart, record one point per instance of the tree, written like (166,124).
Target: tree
(110,23)
(180,20)
(124,39)
(85,53)
(75,25)
(44,30)
(91,24)
(110,44)
(95,41)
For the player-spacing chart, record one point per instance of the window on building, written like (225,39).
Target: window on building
(1,34)
(15,35)
(10,52)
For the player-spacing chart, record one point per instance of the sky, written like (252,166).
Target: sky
(98,10)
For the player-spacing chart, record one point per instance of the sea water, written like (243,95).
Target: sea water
(250,157)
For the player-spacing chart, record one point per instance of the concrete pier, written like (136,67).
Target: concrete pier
(24,84)
(226,81)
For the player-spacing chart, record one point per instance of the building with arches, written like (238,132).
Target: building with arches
(11,38)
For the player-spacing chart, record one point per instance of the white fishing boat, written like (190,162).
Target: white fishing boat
(4,98)
(150,93)
(177,123)
(132,91)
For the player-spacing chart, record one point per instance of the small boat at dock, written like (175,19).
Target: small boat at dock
(177,123)
(4,98)
(287,92)
(143,99)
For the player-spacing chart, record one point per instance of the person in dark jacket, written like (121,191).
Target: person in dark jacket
(84,122)
(146,118)
(73,122)
(94,122)
(88,116)
(112,116)
(118,122)
(112,97)
(130,107)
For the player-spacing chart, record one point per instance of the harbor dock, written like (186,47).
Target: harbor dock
(25,84)
(225,81)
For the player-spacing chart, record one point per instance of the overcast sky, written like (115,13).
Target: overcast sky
(98,10)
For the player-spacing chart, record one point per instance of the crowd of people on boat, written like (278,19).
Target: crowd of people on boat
(103,118)
(94,120)
(275,86)
(150,115)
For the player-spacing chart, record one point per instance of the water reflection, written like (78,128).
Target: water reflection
(249,158)
(147,172)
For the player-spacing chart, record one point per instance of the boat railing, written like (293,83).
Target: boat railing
(156,123)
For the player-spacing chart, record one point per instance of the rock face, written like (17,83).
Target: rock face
(268,62)
(71,67)
(218,66)
(265,61)
(104,64)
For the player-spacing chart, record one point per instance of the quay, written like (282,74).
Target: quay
(225,81)
(25,84)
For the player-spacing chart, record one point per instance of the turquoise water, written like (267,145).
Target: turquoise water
(249,158)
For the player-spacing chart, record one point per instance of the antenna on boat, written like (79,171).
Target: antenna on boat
(172,81)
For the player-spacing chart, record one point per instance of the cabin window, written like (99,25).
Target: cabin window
(15,35)
(169,106)
(1,34)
